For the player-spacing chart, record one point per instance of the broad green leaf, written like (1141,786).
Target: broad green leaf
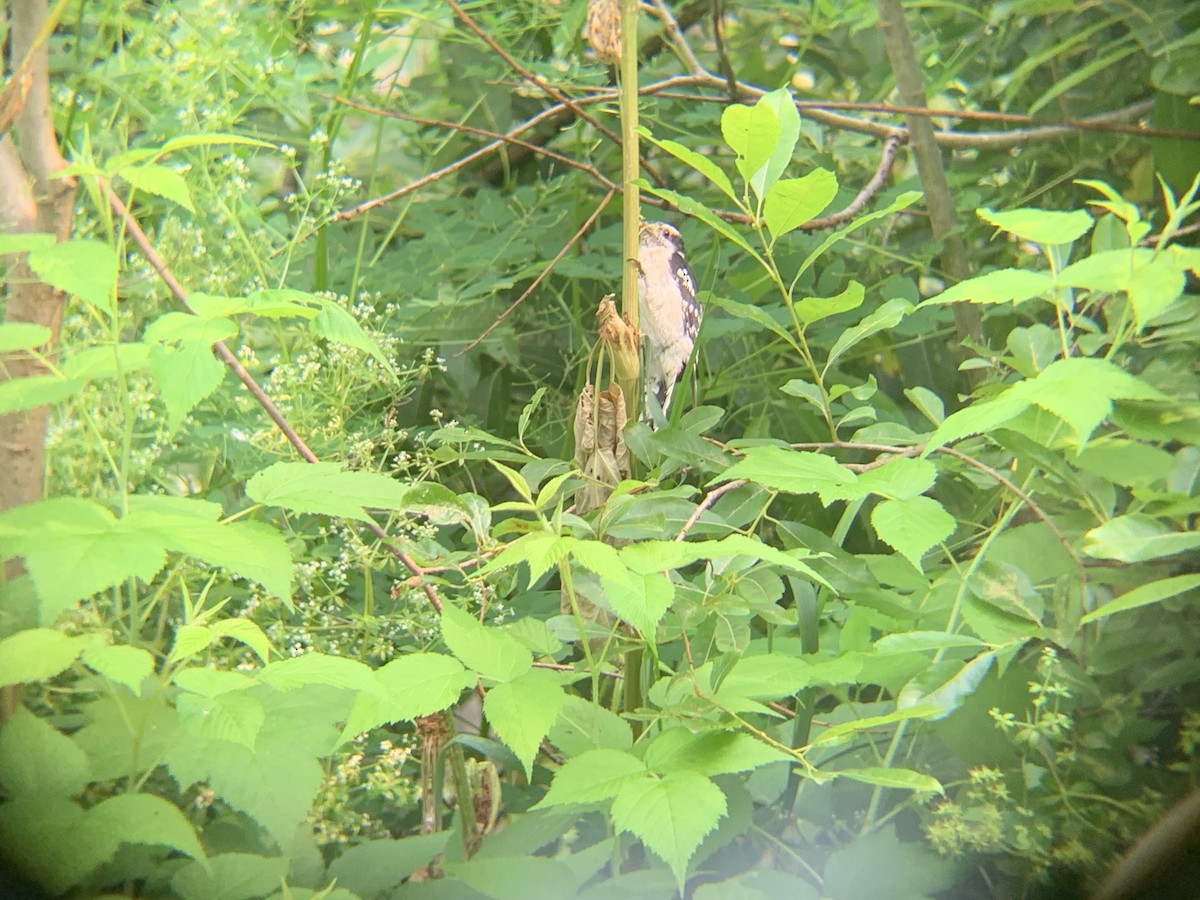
(18,242)
(640,599)
(600,558)
(160,181)
(491,652)
(1000,286)
(51,839)
(697,161)
(336,324)
(326,488)
(22,336)
(951,694)
(234,716)
(754,314)
(418,684)
(210,682)
(1078,390)
(245,632)
(793,201)
(280,303)
(780,102)
(319,668)
(918,641)
(657,556)
(752,132)
(188,373)
(768,676)
(887,316)
(1144,595)
(1152,280)
(1136,538)
(928,403)
(32,391)
(878,864)
(84,268)
(670,815)
(144,819)
(796,472)
(123,664)
(515,877)
(540,550)
(74,548)
(37,759)
(107,360)
(1039,225)
(253,550)
(522,711)
(901,478)
(912,526)
(230,875)
(372,868)
(814,309)
(709,753)
(1006,587)
(593,777)
(189,640)
(583,725)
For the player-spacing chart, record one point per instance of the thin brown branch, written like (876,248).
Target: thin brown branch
(583,229)
(872,187)
(223,353)
(542,84)
(674,34)
(709,499)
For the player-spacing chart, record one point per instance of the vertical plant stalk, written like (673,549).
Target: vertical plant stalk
(897,41)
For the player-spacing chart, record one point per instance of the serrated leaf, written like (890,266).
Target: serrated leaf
(793,201)
(640,599)
(37,759)
(709,753)
(319,668)
(246,632)
(418,684)
(37,654)
(188,373)
(1041,226)
(125,665)
(1000,286)
(160,181)
(234,716)
(796,472)
(670,815)
(22,336)
(522,711)
(326,488)
(593,777)
(900,478)
(84,268)
(489,651)
(144,819)
(912,526)
(583,726)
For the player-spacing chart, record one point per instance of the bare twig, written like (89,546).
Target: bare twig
(223,353)
(709,499)
(675,34)
(583,229)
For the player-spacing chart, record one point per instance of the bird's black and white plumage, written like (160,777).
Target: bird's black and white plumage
(669,313)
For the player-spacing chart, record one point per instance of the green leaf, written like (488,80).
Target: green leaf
(709,753)
(1000,286)
(1137,538)
(144,819)
(375,867)
(245,632)
(160,181)
(797,472)
(814,309)
(187,372)
(754,314)
(901,478)
(954,692)
(230,875)
(878,864)
(918,641)
(793,201)
(522,711)
(38,760)
(1144,595)
(74,548)
(87,269)
(49,839)
(489,651)
(107,360)
(37,654)
(122,664)
(326,488)
(516,878)
(670,815)
(418,684)
(835,733)
(233,716)
(1152,280)
(697,161)
(640,599)
(32,391)
(583,725)
(22,336)
(887,316)
(593,777)
(912,526)
(902,779)
(319,668)
(336,324)
(190,640)
(698,210)
(1039,225)
(752,132)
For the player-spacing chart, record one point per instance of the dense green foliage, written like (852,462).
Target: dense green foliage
(878,615)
